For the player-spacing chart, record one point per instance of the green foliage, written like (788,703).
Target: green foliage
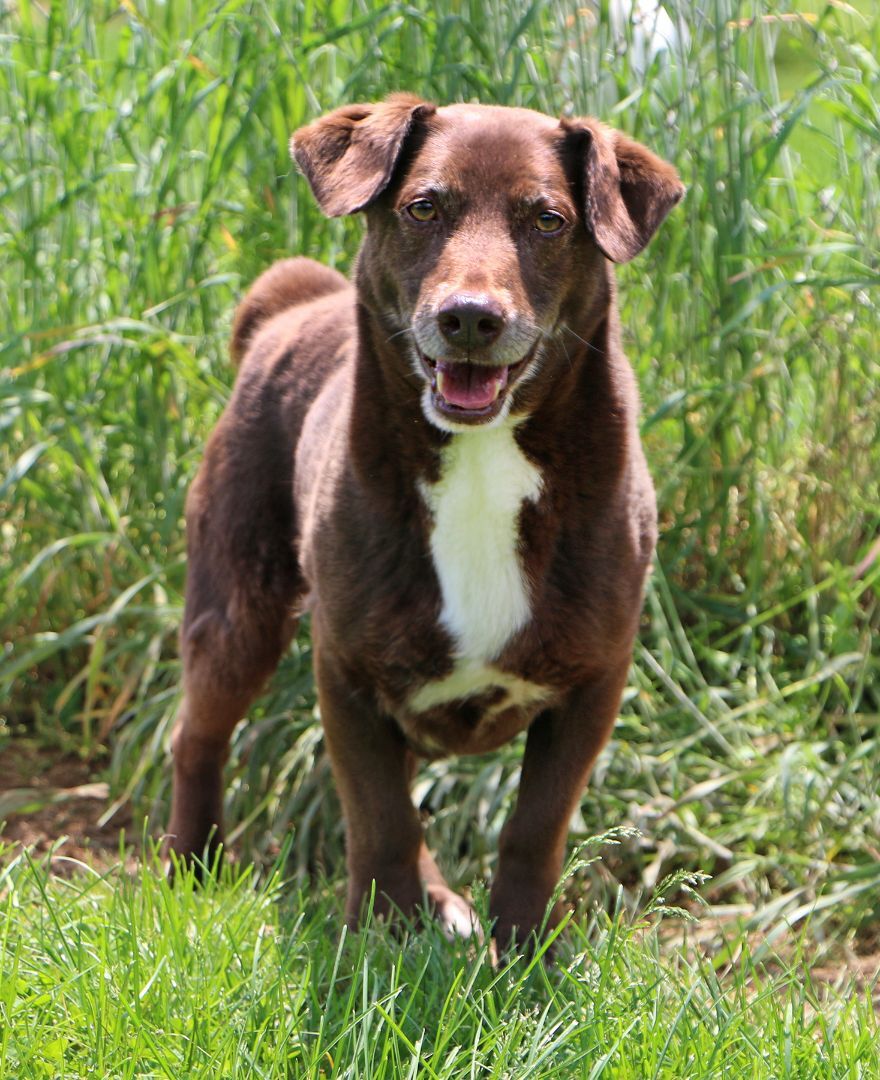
(144,181)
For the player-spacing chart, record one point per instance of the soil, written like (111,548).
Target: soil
(54,804)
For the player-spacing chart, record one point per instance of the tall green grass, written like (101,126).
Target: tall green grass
(144,181)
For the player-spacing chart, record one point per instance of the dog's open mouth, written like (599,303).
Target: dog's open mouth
(467,391)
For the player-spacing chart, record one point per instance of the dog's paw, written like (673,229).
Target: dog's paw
(455,915)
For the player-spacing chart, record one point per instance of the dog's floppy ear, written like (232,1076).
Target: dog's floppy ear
(348,156)
(627,190)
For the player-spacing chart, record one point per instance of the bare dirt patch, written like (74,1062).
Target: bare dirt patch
(46,798)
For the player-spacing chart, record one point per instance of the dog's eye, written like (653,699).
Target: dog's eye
(548,221)
(422,210)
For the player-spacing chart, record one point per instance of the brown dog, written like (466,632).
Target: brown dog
(442,464)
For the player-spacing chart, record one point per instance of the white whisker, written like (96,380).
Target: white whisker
(397,333)
(589,344)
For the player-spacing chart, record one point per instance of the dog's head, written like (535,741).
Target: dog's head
(488,231)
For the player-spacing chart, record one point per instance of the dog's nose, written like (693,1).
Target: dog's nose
(470,320)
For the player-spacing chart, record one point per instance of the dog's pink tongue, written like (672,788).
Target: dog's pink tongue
(469,386)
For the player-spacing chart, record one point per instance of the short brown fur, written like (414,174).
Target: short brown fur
(315,492)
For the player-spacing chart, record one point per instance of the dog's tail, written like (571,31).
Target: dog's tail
(284,285)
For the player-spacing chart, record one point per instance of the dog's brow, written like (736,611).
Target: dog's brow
(543,197)
(425,189)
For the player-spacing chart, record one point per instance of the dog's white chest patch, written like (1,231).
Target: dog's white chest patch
(475,505)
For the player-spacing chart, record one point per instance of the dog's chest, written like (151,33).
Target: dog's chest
(475,510)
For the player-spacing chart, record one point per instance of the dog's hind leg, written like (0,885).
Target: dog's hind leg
(242,587)
(243,579)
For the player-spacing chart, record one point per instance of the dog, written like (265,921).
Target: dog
(441,462)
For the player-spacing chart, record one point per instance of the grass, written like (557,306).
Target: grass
(144,182)
(112,975)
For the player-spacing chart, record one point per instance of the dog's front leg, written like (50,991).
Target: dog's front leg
(373,768)
(561,747)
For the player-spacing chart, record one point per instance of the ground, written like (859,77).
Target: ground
(44,798)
